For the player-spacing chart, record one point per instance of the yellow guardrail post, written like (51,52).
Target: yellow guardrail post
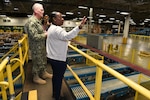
(139,81)
(148,66)
(133,54)
(120,51)
(10,81)
(23,49)
(26,48)
(98,83)
(3,84)
(20,51)
(136,93)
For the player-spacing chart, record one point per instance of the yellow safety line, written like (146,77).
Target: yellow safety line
(32,95)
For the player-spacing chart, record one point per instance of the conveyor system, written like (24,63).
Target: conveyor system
(87,73)
(75,58)
(108,90)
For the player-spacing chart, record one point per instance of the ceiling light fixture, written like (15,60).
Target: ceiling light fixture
(102,15)
(37,0)
(16,9)
(79,13)
(147,19)
(6,1)
(89,17)
(124,13)
(69,13)
(117,12)
(82,7)
(111,18)
(63,15)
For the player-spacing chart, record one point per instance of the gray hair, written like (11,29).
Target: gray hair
(36,5)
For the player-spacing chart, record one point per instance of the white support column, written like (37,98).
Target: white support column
(119,26)
(126,29)
(90,19)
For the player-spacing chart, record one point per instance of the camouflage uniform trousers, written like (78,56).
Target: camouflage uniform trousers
(39,59)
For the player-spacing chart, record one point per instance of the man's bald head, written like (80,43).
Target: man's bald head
(36,6)
(38,10)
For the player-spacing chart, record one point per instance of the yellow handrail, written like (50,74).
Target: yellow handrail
(3,63)
(145,92)
(4,83)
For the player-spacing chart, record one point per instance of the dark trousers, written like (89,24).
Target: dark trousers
(58,68)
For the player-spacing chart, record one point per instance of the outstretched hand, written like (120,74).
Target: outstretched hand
(82,22)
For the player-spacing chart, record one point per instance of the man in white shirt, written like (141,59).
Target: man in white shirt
(56,47)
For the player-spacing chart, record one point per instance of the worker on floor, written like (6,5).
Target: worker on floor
(56,47)
(37,38)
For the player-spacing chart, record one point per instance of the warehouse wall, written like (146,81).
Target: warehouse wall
(13,21)
(17,23)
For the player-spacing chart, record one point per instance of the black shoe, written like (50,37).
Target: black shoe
(53,96)
(62,98)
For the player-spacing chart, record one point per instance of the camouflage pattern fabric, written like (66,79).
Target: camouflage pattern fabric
(35,32)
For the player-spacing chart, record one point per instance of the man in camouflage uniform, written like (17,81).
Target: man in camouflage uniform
(37,37)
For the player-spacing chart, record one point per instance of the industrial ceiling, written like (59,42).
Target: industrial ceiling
(139,10)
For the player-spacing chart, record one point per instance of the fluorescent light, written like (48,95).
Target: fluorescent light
(97,14)
(100,19)
(6,1)
(63,15)
(90,17)
(82,7)
(92,21)
(102,15)
(117,20)
(37,0)
(112,18)
(142,23)
(147,19)
(124,13)
(69,13)
(80,18)
(117,12)
(79,12)
(16,9)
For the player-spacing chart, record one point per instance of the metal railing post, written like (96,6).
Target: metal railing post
(98,83)
(10,80)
